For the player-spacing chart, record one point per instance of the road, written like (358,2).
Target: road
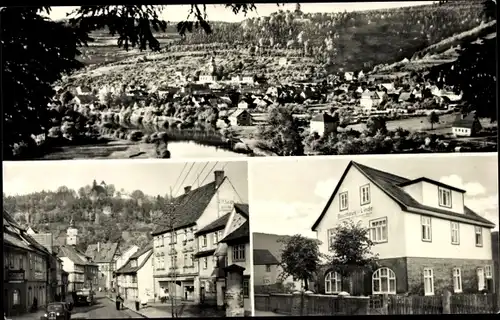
(102,309)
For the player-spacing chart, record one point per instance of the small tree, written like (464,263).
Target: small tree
(376,124)
(351,247)
(300,258)
(433,118)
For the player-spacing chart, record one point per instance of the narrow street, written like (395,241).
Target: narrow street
(102,309)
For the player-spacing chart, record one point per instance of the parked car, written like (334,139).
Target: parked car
(56,311)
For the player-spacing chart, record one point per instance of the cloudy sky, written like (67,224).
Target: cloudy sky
(220,13)
(287,196)
(150,176)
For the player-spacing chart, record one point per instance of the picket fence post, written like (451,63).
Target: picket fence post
(446,302)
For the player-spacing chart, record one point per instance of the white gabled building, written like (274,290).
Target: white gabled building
(426,237)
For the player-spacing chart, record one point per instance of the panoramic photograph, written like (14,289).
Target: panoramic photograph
(375,235)
(240,80)
(164,240)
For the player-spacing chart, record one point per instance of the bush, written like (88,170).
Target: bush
(135,135)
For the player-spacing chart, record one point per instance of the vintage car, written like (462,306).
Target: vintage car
(56,311)
(84,297)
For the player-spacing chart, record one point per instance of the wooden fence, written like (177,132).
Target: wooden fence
(441,304)
(304,304)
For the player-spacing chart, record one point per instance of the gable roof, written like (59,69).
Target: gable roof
(237,113)
(390,184)
(71,253)
(142,251)
(218,224)
(241,233)
(105,254)
(323,117)
(263,257)
(467,122)
(242,208)
(127,268)
(188,207)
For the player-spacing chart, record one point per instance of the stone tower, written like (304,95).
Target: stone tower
(213,66)
(72,234)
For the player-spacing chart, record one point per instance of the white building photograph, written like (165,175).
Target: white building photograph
(428,219)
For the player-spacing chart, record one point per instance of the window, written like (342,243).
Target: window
(426,229)
(364,194)
(239,252)
(488,274)
(479,236)
(204,240)
(333,282)
(331,238)
(246,288)
(481,282)
(378,230)
(457,280)
(444,197)
(216,237)
(162,243)
(455,233)
(174,237)
(185,262)
(428,282)
(384,281)
(268,268)
(343,201)
(192,260)
(11,261)
(205,263)
(173,261)
(157,243)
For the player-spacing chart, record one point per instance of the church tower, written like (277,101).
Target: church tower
(72,234)
(213,67)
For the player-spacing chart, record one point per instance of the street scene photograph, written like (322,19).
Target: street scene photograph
(375,235)
(245,79)
(125,239)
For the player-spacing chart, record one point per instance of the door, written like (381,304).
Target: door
(481,283)
(202,294)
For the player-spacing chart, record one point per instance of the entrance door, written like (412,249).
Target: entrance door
(202,294)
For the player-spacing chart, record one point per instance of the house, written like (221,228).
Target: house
(240,117)
(235,247)
(466,125)
(176,267)
(417,93)
(370,99)
(426,238)
(248,79)
(349,76)
(207,78)
(105,256)
(323,124)
(267,250)
(283,61)
(25,269)
(389,86)
(134,278)
(265,267)
(83,90)
(82,272)
(243,104)
(404,97)
(273,91)
(125,255)
(83,99)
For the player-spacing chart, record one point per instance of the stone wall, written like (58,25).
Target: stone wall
(307,304)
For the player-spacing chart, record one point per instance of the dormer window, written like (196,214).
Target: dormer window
(343,201)
(444,197)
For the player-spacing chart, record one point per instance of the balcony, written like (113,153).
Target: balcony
(188,249)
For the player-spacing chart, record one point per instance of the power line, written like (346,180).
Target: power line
(180,174)
(199,174)
(189,171)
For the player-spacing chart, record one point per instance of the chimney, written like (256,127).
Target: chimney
(218,176)
(187,189)
(98,246)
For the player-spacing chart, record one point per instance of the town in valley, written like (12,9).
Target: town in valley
(102,252)
(328,81)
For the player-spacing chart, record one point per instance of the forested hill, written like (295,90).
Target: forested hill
(103,216)
(352,40)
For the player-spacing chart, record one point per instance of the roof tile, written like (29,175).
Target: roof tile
(263,257)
